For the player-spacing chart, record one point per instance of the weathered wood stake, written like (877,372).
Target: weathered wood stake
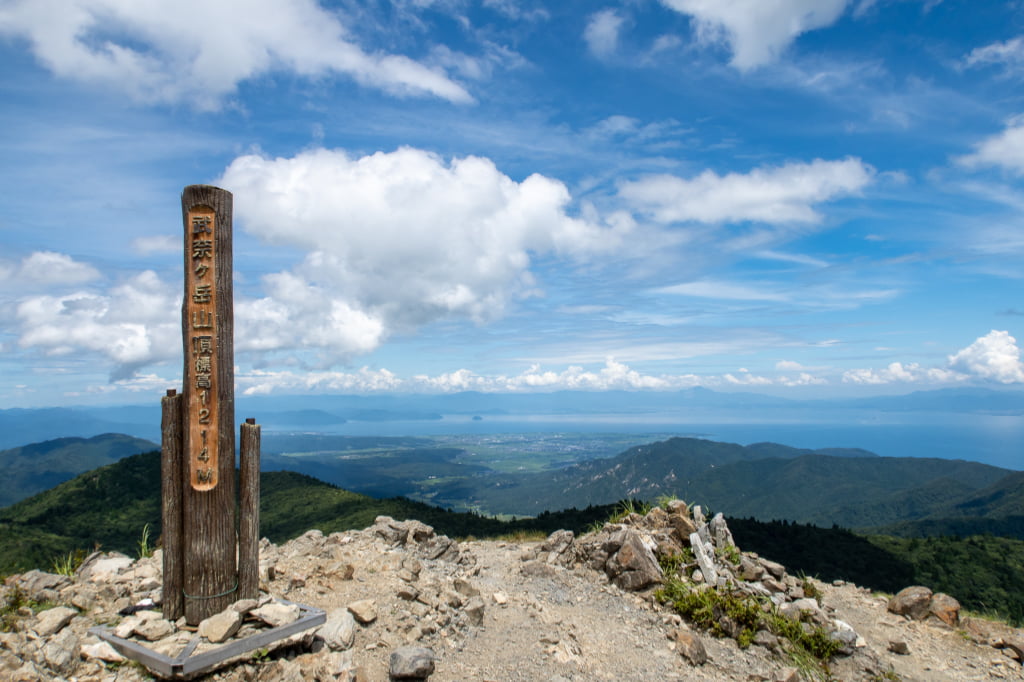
(171,482)
(249,512)
(210,580)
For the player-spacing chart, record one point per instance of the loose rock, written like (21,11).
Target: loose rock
(339,632)
(364,610)
(412,663)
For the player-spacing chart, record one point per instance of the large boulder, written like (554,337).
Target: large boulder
(914,602)
(945,608)
(634,566)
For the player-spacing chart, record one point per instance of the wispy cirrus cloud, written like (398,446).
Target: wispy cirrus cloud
(775,195)
(829,295)
(1008,54)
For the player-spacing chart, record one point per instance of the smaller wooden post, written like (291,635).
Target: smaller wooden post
(249,512)
(171,483)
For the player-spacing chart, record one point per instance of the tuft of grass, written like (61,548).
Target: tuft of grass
(810,589)
(672,565)
(707,608)
(523,535)
(9,607)
(627,507)
(730,554)
(663,501)
(67,564)
(809,647)
(814,640)
(145,550)
(13,602)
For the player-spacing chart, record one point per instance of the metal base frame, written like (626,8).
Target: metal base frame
(186,666)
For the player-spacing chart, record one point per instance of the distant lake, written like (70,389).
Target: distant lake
(992,439)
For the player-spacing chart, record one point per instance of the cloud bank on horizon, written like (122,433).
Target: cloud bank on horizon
(496,196)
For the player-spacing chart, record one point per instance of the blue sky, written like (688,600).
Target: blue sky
(803,197)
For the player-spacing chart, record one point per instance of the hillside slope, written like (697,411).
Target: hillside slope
(30,469)
(764,480)
(110,506)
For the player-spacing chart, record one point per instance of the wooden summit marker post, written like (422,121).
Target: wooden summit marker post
(210,575)
(201,577)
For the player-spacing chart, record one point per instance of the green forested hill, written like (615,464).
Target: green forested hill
(30,469)
(997,509)
(109,506)
(764,480)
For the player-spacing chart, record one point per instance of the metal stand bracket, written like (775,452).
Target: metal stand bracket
(186,666)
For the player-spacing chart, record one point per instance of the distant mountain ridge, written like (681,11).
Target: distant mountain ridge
(766,481)
(849,487)
(34,468)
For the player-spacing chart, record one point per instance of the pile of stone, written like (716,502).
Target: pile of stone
(425,606)
(48,637)
(628,553)
(397,592)
(49,634)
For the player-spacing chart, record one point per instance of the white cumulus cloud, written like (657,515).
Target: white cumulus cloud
(135,324)
(757,31)
(613,375)
(898,372)
(44,269)
(365,380)
(1003,150)
(198,51)
(397,240)
(994,356)
(783,194)
(163,243)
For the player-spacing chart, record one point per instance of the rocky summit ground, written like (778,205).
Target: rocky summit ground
(405,603)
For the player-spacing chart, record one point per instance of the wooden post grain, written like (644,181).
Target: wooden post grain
(171,482)
(249,512)
(210,574)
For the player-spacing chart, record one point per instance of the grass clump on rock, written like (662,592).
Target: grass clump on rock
(740,616)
